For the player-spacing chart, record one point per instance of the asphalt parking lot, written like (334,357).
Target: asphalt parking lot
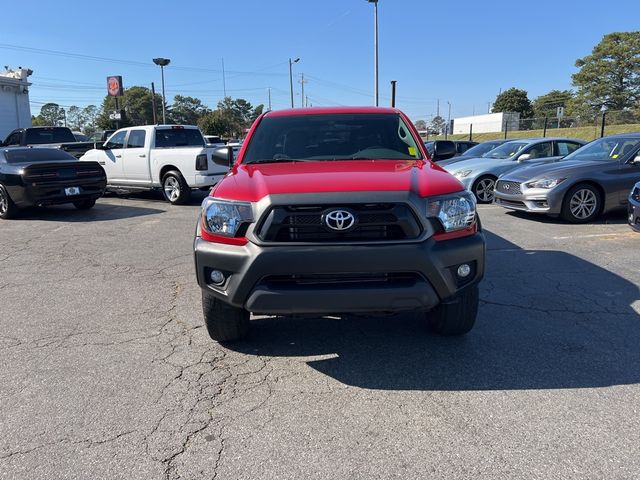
(107,371)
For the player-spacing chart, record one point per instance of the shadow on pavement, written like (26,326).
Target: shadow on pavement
(548,320)
(617,217)
(101,212)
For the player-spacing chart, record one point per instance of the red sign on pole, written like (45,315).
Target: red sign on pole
(114,86)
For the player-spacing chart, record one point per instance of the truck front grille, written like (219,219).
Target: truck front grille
(306,223)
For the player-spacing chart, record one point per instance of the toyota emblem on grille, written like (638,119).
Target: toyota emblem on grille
(339,220)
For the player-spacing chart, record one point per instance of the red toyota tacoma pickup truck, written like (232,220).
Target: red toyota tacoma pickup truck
(337,211)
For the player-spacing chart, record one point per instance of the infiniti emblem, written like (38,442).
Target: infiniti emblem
(507,186)
(339,220)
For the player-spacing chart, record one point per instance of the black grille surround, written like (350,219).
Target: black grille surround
(510,188)
(305,223)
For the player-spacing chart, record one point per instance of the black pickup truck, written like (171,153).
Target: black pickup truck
(51,137)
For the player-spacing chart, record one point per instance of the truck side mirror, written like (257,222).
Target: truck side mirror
(223,156)
(443,149)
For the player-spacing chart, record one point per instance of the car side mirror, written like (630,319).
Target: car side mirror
(636,159)
(524,157)
(443,149)
(223,156)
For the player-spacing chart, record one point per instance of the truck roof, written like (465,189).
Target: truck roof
(329,110)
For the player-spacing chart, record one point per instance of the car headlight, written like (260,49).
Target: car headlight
(454,212)
(221,217)
(545,183)
(462,173)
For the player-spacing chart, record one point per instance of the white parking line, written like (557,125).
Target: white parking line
(592,235)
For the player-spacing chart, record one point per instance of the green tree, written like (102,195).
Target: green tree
(513,100)
(38,121)
(547,105)
(240,112)
(136,102)
(187,110)
(217,122)
(610,76)
(437,125)
(90,113)
(52,114)
(420,125)
(75,118)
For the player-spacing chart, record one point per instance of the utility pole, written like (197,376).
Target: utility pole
(302,82)
(375,48)
(291,62)
(224,80)
(438,108)
(269,89)
(393,93)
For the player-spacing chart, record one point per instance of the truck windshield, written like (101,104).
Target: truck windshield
(332,137)
(179,137)
(36,136)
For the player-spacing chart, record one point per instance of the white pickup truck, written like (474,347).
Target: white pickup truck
(171,158)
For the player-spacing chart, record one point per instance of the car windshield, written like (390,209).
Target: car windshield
(603,149)
(332,137)
(480,149)
(20,155)
(36,136)
(506,150)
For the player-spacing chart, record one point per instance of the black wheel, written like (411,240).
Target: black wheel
(456,317)
(224,322)
(175,189)
(581,204)
(84,204)
(8,209)
(483,188)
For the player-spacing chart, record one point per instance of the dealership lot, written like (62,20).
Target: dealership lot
(108,372)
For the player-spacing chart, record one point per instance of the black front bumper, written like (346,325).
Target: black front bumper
(53,192)
(324,279)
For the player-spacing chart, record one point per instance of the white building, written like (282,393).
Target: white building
(14,100)
(491,122)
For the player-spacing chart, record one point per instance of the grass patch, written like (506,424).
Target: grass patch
(582,133)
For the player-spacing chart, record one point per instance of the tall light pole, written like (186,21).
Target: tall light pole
(448,120)
(291,62)
(375,47)
(163,62)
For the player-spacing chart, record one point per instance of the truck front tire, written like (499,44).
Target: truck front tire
(224,322)
(456,317)
(175,188)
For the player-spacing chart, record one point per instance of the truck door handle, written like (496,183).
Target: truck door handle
(102,163)
(118,156)
(142,155)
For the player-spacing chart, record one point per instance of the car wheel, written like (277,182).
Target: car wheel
(84,204)
(483,189)
(581,204)
(175,189)
(224,322)
(8,209)
(456,317)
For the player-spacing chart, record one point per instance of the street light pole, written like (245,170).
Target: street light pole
(162,62)
(448,119)
(375,47)
(291,62)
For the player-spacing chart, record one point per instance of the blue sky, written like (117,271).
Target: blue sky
(462,52)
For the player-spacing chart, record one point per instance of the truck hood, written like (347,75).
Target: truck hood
(254,182)
(563,168)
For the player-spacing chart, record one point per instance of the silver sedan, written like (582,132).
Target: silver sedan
(594,179)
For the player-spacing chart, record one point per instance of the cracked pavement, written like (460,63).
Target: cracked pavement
(107,371)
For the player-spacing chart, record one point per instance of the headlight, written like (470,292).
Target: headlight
(462,173)
(545,183)
(221,217)
(455,212)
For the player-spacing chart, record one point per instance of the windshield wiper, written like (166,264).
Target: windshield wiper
(273,160)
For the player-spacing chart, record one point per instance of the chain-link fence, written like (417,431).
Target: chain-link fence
(585,127)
